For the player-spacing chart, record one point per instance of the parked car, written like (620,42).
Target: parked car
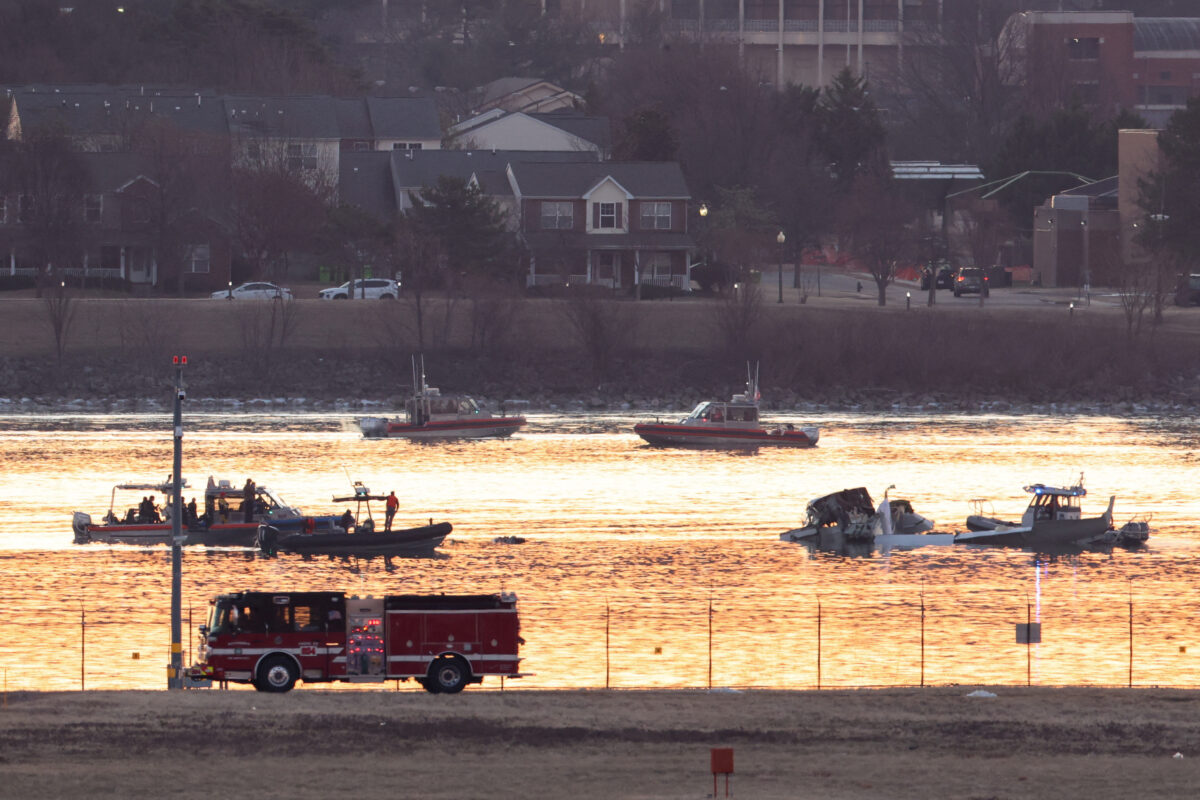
(968,280)
(369,288)
(942,276)
(254,291)
(1187,291)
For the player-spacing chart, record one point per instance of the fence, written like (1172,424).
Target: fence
(752,642)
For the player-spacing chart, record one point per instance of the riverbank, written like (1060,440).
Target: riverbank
(1091,744)
(599,354)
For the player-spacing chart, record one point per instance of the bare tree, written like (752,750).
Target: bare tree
(876,222)
(737,315)
(418,257)
(603,327)
(50,180)
(265,328)
(280,203)
(60,311)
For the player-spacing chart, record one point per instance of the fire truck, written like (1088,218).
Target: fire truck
(443,642)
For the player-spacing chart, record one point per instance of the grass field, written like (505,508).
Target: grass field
(1092,744)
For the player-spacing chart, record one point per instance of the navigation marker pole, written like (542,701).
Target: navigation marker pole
(175,671)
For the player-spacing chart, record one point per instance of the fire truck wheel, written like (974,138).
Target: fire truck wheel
(276,674)
(449,675)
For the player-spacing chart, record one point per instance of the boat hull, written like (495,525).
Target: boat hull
(400,542)
(229,534)
(667,434)
(488,428)
(1044,534)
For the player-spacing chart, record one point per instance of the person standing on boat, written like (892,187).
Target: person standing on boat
(248,500)
(393,503)
(223,508)
(347,521)
(190,517)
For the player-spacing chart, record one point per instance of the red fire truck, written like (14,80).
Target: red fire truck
(444,642)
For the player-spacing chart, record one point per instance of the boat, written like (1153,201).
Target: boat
(222,522)
(356,534)
(734,423)
(1053,519)
(431,415)
(850,518)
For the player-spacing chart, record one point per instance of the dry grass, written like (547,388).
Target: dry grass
(817,351)
(1026,743)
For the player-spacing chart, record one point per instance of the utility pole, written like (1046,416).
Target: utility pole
(175,672)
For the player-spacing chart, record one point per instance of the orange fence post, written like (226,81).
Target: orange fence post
(722,764)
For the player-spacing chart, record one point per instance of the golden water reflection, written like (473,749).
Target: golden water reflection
(629,547)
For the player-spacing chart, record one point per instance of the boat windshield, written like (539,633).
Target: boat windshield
(699,411)
(467,406)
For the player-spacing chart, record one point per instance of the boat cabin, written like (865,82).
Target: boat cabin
(224,502)
(1053,503)
(719,413)
(432,405)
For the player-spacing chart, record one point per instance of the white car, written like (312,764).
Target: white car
(370,288)
(254,291)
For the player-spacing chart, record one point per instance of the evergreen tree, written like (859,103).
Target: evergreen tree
(850,130)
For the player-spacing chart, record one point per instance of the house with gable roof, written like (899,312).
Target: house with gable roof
(118,234)
(525,94)
(568,131)
(613,224)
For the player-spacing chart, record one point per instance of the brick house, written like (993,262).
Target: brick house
(612,224)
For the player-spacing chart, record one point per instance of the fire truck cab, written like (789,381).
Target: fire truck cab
(444,642)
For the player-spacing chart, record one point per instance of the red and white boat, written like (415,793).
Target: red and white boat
(430,415)
(734,423)
(220,523)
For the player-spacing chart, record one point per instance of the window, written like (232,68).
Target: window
(659,266)
(26,209)
(360,146)
(656,216)
(557,216)
(198,258)
(297,159)
(606,215)
(1083,49)
(406,145)
(3,209)
(92,207)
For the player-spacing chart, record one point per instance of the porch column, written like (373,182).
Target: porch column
(860,38)
(779,55)
(587,258)
(124,271)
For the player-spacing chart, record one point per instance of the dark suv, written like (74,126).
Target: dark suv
(940,273)
(1187,291)
(970,279)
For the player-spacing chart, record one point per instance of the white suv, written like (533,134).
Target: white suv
(370,288)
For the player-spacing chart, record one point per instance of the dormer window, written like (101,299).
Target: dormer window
(606,215)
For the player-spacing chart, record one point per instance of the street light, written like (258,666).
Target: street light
(781,239)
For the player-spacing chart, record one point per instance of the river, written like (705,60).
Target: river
(642,567)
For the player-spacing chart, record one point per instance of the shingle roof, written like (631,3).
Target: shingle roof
(1166,33)
(107,172)
(105,110)
(596,130)
(366,182)
(640,178)
(353,121)
(404,118)
(295,117)
(416,168)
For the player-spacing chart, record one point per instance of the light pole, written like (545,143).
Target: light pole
(230,297)
(1087,266)
(780,239)
(175,673)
